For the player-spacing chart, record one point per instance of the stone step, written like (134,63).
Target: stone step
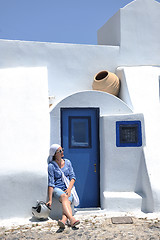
(122,201)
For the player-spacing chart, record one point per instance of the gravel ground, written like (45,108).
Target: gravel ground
(91,227)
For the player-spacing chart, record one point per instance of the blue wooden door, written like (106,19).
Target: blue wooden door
(80,140)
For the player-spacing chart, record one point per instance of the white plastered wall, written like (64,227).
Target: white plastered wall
(125,184)
(71,67)
(139,33)
(24,139)
(140,90)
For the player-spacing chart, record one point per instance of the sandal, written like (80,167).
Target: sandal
(61,224)
(75,223)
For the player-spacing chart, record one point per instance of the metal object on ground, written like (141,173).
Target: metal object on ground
(121,220)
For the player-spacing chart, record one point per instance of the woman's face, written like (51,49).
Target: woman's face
(60,153)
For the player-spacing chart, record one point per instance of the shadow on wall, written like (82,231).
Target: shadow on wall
(143,186)
(20,191)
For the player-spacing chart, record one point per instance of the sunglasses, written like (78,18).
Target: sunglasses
(61,150)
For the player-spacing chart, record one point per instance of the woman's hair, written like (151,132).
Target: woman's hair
(54,157)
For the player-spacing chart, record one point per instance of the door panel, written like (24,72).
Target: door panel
(80,139)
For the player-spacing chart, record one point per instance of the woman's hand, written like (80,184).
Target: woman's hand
(49,203)
(68,192)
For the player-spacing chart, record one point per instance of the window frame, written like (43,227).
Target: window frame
(119,124)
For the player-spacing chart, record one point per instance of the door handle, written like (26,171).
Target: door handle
(95,167)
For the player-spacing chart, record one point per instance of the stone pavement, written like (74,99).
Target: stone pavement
(92,226)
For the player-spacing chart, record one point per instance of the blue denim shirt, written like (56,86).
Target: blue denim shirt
(55,175)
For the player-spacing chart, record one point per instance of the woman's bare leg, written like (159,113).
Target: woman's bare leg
(64,218)
(67,210)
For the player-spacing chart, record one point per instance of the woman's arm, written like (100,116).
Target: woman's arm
(50,192)
(51,184)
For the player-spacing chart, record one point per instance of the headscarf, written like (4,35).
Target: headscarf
(53,149)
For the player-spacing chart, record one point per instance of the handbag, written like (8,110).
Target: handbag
(41,211)
(73,191)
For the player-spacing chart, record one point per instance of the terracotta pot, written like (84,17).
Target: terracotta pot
(107,82)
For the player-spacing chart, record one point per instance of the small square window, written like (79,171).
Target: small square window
(79,132)
(128,134)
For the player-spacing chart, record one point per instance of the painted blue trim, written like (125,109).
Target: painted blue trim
(135,126)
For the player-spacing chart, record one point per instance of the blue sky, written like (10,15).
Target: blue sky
(62,21)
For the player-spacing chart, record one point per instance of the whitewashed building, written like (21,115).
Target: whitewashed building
(113,142)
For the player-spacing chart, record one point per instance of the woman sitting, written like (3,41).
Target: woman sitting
(57,186)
